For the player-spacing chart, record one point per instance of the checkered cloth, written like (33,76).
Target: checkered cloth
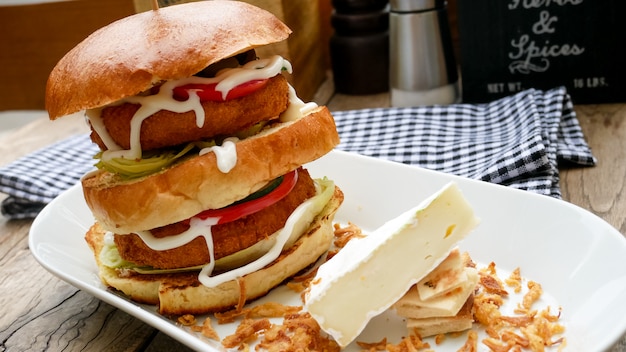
(34,180)
(516,141)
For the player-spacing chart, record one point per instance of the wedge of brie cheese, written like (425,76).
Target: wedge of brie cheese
(370,274)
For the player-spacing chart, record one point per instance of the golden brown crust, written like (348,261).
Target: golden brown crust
(228,238)
(196,184)
(178,294)
(168,128)
(132,54)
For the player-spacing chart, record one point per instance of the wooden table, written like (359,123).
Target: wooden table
(41,312)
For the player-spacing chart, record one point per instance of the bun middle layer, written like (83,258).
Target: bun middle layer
(194,185)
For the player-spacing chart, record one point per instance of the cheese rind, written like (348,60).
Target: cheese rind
(370,274)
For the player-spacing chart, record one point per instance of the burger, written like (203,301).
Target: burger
(199,195)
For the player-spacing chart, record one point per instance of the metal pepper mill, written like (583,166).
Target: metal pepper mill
(423,69)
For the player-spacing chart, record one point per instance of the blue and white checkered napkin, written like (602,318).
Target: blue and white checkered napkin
(34,180)
(516,141)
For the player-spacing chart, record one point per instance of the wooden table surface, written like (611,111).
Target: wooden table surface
(41,312)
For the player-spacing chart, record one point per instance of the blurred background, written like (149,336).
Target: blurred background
(481,34)
(37,33)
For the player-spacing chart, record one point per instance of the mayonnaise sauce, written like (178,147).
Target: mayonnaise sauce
(294,226)
(284,235)
(297,108)
(95,120)
(197,228)
(226,154)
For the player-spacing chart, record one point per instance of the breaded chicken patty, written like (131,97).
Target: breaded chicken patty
(228,238)
(166,128)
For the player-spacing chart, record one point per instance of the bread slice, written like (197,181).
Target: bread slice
(463,320)
(196,184)
(412,305)
(446,277)
(177,294)
(441,302)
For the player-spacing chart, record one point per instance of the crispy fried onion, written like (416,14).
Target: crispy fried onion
(298,332)
(411,343)
(344,234)
(206,329)
(246,332)
(265,310)
(529,329)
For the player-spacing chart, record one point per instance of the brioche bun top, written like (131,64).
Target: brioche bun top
(132,54)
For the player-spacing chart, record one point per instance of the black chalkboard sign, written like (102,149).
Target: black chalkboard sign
(510,45)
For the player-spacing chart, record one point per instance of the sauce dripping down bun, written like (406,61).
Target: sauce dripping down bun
(139,80)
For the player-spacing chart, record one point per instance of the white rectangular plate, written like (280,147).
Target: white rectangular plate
(577,257)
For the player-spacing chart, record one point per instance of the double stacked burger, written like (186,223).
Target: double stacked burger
(200,199)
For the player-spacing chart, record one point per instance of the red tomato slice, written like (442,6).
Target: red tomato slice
(207,92)
(234,212)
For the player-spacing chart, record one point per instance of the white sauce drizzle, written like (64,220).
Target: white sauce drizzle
(226,154)
(197,228)
(108,238)
(95,120)
(202,228)
(257,69)
(282,238)
(297,108)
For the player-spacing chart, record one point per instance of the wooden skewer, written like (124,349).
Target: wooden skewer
(155,5)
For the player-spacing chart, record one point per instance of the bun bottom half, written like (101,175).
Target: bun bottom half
(182,293)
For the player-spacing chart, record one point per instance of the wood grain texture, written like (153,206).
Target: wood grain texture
(41,312)
(601,189)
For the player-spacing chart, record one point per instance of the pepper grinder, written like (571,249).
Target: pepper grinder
(359,47)
(422,66)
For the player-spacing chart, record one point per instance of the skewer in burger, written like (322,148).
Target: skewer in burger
(200,198)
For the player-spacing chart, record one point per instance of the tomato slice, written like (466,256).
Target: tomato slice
(238,211)
(207,92)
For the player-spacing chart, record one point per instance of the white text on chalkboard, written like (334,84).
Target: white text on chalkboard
(535,4)
(528,54)
(504,87)
(590,82)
